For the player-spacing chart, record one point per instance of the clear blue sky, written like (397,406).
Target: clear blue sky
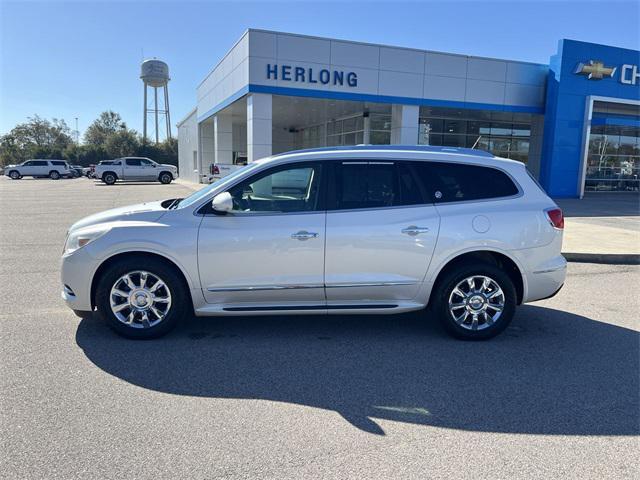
(76,59)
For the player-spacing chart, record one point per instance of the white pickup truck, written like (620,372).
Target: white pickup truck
(134,168)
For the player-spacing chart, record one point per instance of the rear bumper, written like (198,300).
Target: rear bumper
(546,280)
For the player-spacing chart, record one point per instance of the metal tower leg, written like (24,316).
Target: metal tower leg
(144,116)
(155,91)
(166,109)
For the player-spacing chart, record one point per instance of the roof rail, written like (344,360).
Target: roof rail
(414,148)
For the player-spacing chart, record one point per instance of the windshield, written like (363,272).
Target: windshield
(200,194)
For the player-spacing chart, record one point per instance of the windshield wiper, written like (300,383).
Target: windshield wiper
(173,205)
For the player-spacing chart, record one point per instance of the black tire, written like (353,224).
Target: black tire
(15,175)
(486,330)
(54,175)
(165,178)
(180,300)
(109,178)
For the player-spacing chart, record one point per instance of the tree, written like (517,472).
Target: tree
(37,137)
(107,124)
(122,143)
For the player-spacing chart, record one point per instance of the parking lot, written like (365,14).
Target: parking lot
(556,395)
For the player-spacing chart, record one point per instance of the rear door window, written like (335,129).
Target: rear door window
(374,184)
(458,182)
(133,162)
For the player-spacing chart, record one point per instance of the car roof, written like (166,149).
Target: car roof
(397,152)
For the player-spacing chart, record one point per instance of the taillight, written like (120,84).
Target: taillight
(555,217)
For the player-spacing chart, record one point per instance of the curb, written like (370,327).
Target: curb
(604,258)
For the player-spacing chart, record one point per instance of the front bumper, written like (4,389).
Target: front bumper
(76,272)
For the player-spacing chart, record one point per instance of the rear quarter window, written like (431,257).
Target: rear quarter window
(58,163)
(457,182)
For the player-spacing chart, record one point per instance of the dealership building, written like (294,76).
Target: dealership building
(575,122)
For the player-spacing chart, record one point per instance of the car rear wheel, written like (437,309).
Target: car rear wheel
(54,175)
(142,299)
(109,178)
(165,178)
(15,175)
(475,302)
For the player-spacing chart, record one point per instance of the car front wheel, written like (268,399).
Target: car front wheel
(165,178)
(109,178)
(475,302)
(15,175)
(142,299)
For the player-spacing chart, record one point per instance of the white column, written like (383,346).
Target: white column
(223,132)
(207,147)
(404,124)
(259,125)
(366,134)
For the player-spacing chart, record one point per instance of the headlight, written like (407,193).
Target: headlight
(82,237)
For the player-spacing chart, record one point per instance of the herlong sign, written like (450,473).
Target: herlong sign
(290,73)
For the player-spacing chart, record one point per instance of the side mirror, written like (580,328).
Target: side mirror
(222,203)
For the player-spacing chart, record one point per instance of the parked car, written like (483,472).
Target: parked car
(336,230)
(76,170)
(135,168)
(88,171)
(53,169)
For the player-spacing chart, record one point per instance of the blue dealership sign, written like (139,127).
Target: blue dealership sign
(309,75)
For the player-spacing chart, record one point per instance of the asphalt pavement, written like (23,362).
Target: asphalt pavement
(555,396)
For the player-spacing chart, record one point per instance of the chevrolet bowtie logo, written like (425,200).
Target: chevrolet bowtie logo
(595,70)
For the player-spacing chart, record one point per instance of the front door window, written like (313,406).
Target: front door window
(279,190)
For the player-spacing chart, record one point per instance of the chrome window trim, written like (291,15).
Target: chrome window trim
(362,162)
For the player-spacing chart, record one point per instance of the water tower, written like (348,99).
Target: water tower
(155,73)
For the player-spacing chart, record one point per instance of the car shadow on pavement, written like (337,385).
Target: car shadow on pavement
(551,372)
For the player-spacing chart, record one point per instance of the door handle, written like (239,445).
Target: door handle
(412,230)
(303,235)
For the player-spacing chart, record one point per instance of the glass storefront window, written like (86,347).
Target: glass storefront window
(613,161)
(496,132)
(380,122)
(378,137)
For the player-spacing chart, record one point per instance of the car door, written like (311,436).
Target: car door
(149,169)
(41,168)
(269,250)
(27,168)
(133,169)
(381,232)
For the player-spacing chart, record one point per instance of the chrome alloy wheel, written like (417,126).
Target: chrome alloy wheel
(476,302)
(140,299)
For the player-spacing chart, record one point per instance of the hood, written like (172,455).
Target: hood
(166,165)
(150,212)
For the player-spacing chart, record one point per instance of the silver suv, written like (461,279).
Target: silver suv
(53,169)
(382,229)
